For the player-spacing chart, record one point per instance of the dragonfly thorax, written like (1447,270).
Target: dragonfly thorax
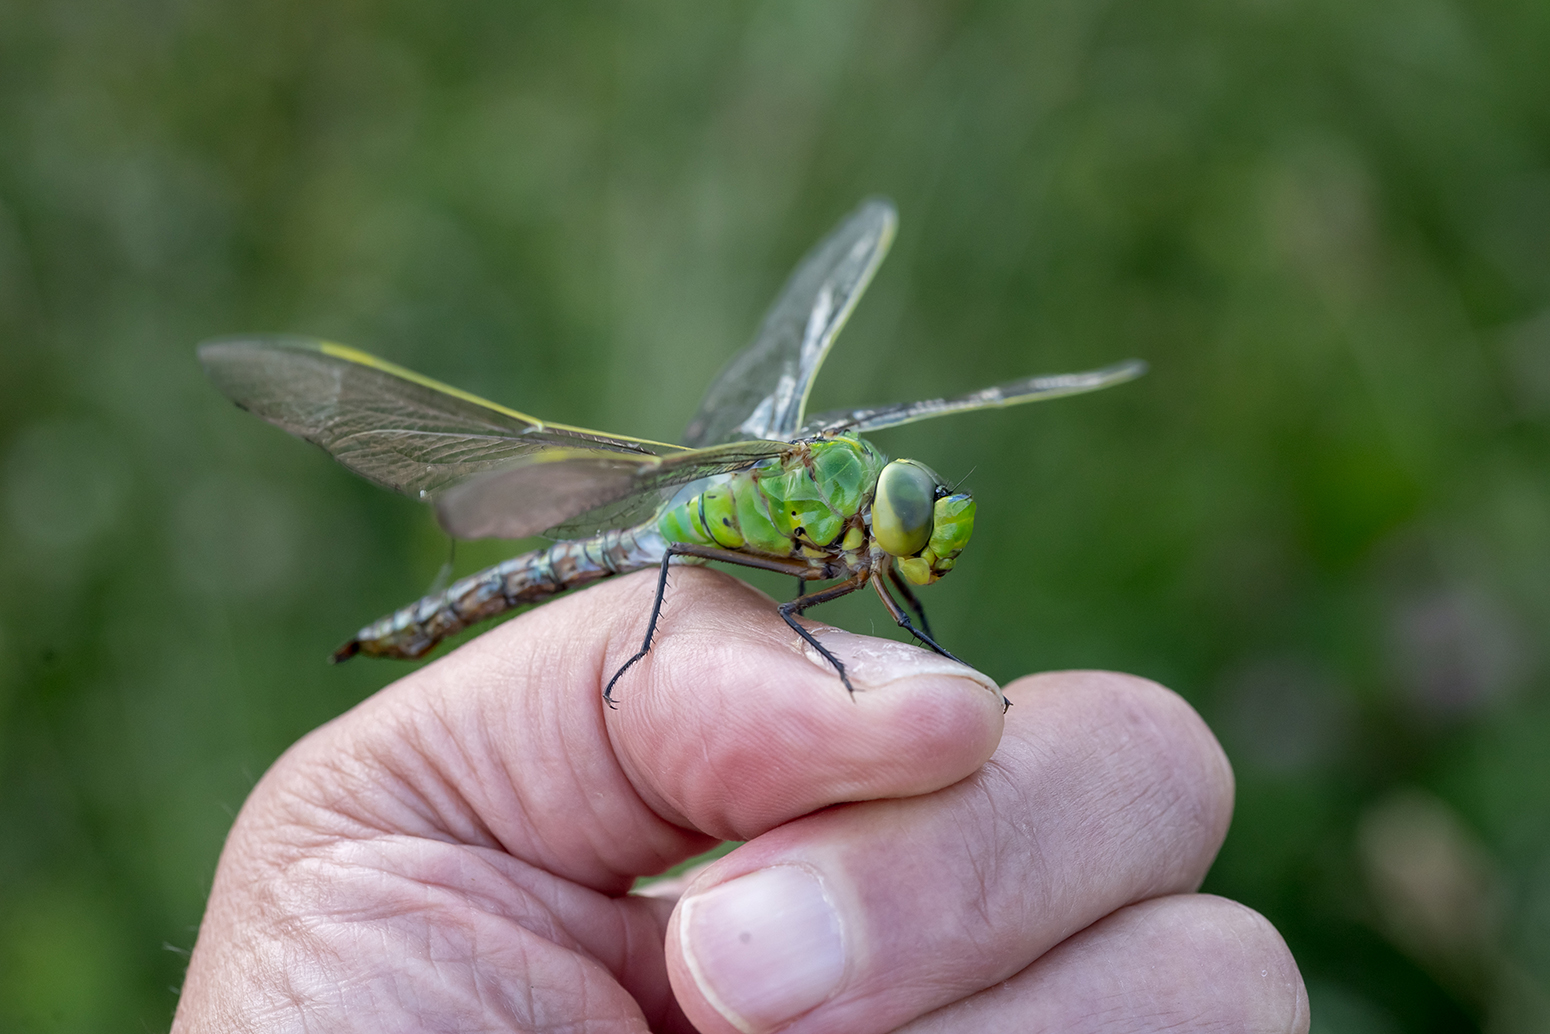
(834,502)
(810,501)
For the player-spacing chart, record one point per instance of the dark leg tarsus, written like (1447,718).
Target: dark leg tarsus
(651,629)
(909,597)
(792,608)
(823,651)
(903,621)
(799,568)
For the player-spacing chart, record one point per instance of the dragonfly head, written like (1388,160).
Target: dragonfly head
(919,521)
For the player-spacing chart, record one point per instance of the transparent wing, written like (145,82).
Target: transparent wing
(388,424)
(1013,393)
(569,491)
(763,391)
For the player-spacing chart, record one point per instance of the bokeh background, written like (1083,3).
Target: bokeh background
(1324,517)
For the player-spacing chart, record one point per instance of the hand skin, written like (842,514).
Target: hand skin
(456,853)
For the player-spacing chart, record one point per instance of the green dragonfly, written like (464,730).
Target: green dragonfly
(757,481)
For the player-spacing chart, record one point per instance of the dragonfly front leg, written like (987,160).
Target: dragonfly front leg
(909,599)
(792,608)
(903,619)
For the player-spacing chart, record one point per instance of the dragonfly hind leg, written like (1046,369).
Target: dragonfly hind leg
(651,630)
(790,609)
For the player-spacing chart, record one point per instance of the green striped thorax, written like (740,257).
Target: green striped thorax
(818,500)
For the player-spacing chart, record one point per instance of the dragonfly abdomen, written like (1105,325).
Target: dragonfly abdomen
(414,630)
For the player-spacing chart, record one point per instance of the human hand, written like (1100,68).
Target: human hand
(456,852)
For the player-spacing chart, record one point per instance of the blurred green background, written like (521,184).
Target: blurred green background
(1324,517)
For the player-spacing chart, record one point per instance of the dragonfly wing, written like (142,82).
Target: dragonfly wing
(763,391)
(392,426)
(1013,393)
(620,513)
(566,490)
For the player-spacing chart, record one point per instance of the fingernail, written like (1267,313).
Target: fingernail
(763,948)
(872,663)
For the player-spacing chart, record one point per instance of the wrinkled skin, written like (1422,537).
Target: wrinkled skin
(456,853)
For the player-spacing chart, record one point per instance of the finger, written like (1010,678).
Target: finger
(734,724)
(729,726)
(1187,962)
(1106,790)
(477,822)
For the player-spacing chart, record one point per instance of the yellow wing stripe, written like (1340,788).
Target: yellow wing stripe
(355,355)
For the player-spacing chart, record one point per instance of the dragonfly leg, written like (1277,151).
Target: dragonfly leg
(796,606)
(790,609)
(801,586)
(909,598)
(651,630)
(903,621)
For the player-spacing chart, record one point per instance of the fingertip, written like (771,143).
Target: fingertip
(1182,962)
(736,724)
(1155,738)
(1245,951)
(1123,696)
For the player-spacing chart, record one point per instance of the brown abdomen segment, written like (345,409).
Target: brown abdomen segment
(413,631)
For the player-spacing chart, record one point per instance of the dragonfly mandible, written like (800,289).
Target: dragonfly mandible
(757,482)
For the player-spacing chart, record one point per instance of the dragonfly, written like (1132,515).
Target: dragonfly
(756,482)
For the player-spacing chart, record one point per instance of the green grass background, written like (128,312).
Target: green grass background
(1324,517)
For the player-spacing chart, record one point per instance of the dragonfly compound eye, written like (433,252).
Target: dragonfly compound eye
(902,507)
